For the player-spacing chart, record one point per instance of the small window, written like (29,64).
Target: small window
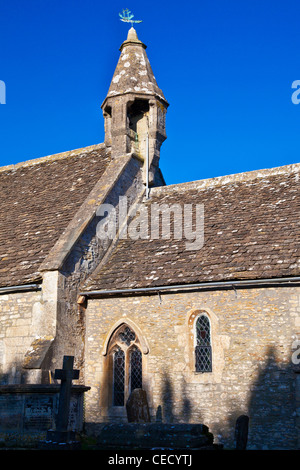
(203,353)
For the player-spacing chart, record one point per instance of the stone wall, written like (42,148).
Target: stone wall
(20,317)
(252,335)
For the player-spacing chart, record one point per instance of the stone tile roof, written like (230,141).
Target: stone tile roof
(251,231)
(38,200)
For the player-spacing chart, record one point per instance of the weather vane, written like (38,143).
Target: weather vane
(127,16)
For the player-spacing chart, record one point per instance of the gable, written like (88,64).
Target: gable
(39,198)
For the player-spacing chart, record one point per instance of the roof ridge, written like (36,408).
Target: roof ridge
(232,178)
(55,156)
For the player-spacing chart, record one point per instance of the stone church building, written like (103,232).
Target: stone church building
(190,291)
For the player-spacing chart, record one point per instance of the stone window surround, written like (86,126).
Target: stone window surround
(127,349)
(107,352)
(219,343)
(202,314)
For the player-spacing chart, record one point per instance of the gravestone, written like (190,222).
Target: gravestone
(137,407)
(241,432)
(158,417)
(62,435)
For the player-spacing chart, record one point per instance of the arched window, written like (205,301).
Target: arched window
(127,364)
(203,353)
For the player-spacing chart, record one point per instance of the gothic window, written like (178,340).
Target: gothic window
(203,353)
(127,364)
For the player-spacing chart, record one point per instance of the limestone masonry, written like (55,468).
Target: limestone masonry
(209,333)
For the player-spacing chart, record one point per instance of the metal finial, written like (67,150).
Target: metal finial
(127,16)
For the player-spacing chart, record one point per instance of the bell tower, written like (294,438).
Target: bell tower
(134,109)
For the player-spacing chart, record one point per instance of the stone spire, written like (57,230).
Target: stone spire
(135,106)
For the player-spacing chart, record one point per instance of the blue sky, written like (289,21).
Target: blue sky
(225,66)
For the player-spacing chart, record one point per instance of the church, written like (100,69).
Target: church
(189,291)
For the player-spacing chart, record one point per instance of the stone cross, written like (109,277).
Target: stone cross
(66,375)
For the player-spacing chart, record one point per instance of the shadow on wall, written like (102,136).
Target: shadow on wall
(167,394)
(271,407)
(16,375)
(171,410)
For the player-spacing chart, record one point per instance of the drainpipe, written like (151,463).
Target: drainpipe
(147,166)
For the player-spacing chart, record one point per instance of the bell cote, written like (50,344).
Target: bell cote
(134,109)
